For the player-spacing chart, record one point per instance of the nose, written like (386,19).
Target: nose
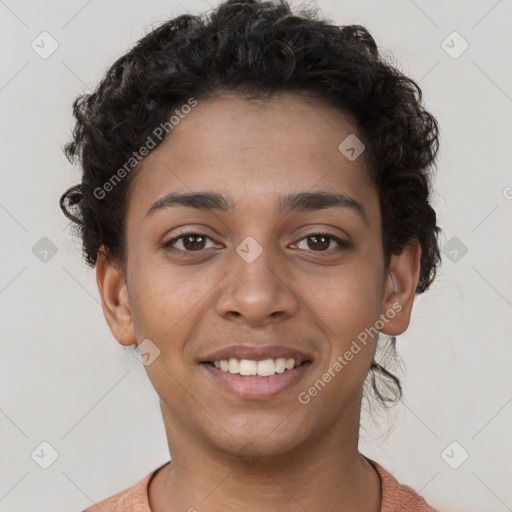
(257,291)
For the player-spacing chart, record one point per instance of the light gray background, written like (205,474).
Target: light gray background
(66,381)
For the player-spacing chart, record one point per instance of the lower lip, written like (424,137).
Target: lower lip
(258,388)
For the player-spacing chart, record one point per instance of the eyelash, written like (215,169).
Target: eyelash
(342,244)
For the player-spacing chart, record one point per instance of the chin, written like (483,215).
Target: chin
(264,439)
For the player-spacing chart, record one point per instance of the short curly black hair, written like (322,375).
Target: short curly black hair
(256,49)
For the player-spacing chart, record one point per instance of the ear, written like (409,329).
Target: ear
(400,289)
(114,298)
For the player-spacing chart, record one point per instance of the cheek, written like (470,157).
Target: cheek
(348,312)
(168,304)
(161,295)
(158,315)
(348,304)
(159,307)
(347,299)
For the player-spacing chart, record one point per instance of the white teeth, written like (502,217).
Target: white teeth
(247,367)
(264,368)
(233,365)
(280,365)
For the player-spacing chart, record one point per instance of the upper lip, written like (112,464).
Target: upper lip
(258,353)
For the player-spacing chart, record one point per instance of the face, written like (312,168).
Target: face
(266,268)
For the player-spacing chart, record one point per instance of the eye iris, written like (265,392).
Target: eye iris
(193,246)
(325,245)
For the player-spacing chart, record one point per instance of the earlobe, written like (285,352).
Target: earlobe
(400,289)
(114,299)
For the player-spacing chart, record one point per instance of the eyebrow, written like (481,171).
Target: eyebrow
(301,201)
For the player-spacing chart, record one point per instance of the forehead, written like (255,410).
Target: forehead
(254,150)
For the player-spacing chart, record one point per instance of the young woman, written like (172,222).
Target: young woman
(255,198)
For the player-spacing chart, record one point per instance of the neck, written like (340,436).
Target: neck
(327,473)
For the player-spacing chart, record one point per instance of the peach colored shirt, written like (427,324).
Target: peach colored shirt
(395,496)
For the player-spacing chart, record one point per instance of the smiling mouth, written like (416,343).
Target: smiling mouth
(253,368)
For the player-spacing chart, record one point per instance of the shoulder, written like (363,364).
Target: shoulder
(397,497)
(133,499)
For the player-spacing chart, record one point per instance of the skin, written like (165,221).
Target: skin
(299,292)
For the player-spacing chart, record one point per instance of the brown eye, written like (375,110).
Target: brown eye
(193,242)
(320,242)
(190,242)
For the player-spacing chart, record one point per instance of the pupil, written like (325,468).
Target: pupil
(193,245)
(316,238)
